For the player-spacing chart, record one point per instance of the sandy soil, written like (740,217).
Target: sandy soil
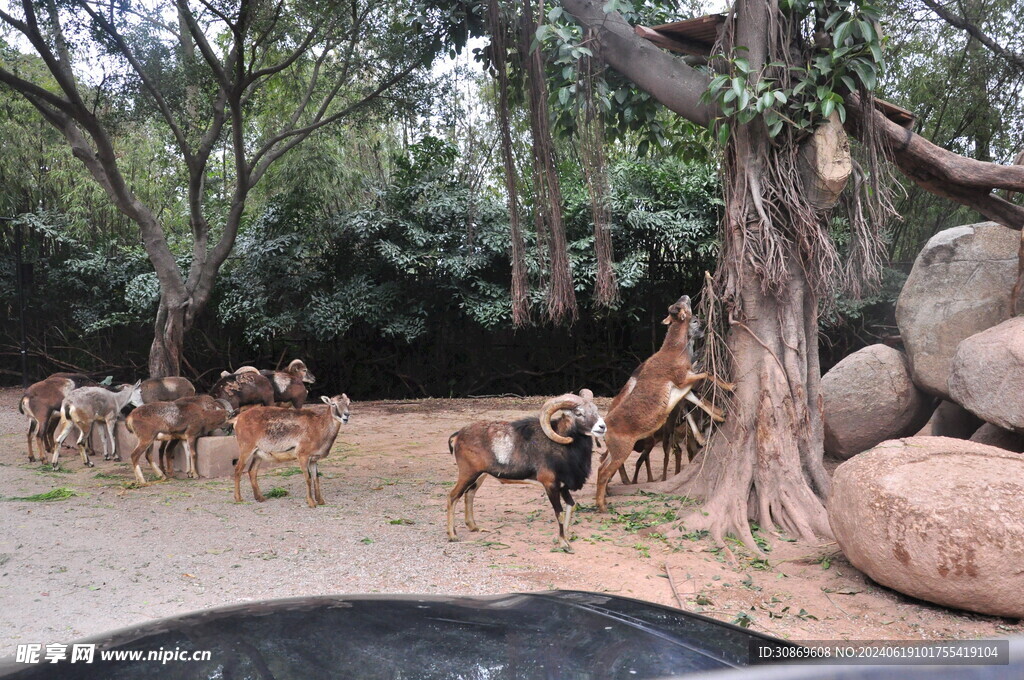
(113,556)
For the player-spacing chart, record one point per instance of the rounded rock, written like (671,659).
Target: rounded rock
(960,285)
(987,374)
(868,398)
(937,519)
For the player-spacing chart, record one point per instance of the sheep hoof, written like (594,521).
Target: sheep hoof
(117,458)
(90,464)
(452,538)
(55,467)
(260,499)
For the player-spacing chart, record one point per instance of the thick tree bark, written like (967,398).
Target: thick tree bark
(168,339)
(765,464)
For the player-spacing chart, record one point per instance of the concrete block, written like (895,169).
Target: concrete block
(215,455)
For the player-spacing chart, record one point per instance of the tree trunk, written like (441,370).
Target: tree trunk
(765,464)
(168,339)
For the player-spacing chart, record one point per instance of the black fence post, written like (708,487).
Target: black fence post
(19,277)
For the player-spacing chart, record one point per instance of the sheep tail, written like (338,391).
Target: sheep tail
(451,443)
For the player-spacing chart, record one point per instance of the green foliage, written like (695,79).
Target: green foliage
(61,493)
(631,115)
(844,55)
(427,248)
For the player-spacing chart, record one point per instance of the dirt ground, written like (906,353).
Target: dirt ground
(112,556)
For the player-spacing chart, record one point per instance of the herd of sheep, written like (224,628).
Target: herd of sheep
(552,449)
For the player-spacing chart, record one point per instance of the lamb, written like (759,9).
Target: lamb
(41,404)
(553,449)
(166,389)
(183,419)
(243,389)
(88,405)
(288,384)
(306,434)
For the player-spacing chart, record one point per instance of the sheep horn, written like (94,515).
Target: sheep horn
(548,410)
(586,394)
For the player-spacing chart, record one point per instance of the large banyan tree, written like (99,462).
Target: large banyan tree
(783,87)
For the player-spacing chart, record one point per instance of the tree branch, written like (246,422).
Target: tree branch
(147,82)
(204,46)
(960,22)
(664,76)
(268,153)
(944,173)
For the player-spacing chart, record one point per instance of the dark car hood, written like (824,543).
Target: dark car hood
(561,634)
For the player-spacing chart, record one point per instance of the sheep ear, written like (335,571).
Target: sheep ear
(667,320)
(326,400)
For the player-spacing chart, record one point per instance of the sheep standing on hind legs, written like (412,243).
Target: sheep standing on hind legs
(270,432)
(553,450)
(664,380)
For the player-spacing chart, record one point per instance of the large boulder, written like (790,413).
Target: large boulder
(988,372)
(953,420)
(869,397)
(937,519)
(960,285)
(999,438)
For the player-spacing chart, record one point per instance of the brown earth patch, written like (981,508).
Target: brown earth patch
(113,556)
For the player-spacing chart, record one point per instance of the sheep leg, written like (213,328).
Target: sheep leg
(619,448)
(317,493)
(159,471)
(716,413)
(254,471)
(49,430)
(65,430)
(694,377)
(623,475)
(460,488)
(33,428)
(694,430)
(85,435)
(113,442)
(668,452)
(141,448)
(191,457)
(166,459)
(551,486)
(306,465)
(570,505)
(644,459)
(243,458)
(470,493)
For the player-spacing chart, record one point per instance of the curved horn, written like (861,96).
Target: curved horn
(548,410)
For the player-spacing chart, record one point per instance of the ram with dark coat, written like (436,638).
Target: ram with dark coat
(243,389)
(553,449)
(290,384)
